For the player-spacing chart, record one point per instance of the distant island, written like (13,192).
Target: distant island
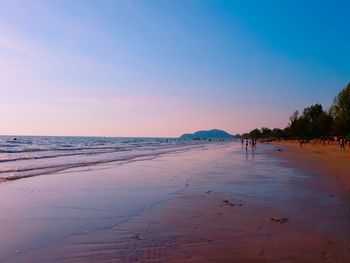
(209,135)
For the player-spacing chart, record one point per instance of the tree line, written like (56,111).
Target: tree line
(314,121)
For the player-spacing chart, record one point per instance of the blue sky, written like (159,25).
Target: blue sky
(162,68)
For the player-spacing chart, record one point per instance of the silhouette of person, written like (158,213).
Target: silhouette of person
(342,144)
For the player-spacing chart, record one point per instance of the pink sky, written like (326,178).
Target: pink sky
(127,68)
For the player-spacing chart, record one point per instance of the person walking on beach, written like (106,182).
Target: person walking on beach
(342,144)
(254,143)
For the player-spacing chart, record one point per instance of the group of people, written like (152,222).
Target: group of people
(341,141)
(246,142)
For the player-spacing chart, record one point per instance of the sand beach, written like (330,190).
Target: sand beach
(324,158)
(216,203)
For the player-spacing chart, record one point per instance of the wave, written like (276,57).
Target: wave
(21,151)
(24,172)
(60,149)
(19,142)
(56,155)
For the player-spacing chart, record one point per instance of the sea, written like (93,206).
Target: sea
(26,156)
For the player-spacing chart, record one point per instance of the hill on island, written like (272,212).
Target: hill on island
(212,134)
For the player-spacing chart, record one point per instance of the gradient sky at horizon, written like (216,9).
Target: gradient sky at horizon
(163,68)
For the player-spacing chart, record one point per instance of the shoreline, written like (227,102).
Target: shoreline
(14,173)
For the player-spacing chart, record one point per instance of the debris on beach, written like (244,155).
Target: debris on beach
(227,202)
(280,220)
(136,237)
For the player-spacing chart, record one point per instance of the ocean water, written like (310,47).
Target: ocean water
(27,156)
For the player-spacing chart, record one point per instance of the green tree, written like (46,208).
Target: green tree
(324,124)
(297,125)
(266,132)
(340,111)
(256,133)
(313,122)
(277,133)
(311,115)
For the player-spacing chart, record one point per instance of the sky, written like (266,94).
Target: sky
(163,68)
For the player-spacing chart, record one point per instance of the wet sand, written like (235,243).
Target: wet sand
(216,204)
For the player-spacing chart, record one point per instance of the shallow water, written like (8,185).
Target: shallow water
(41,215)
(27,156)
